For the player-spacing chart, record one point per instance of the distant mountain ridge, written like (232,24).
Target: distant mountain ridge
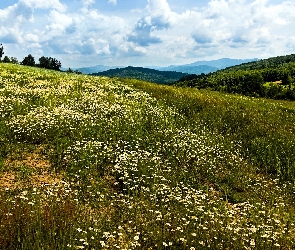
(223,62)
(197,68)
(206,67)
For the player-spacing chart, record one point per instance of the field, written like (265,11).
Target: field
(98,163)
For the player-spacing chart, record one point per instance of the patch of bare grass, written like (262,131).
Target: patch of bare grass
(28,169)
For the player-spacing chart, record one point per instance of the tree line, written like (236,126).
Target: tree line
(44,62)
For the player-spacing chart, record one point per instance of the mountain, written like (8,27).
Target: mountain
(222,63)
(197,68)
(206,67)
(146,74)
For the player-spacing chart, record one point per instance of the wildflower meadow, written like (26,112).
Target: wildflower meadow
(91,162)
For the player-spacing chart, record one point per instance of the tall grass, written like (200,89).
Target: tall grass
(264,128)
(124,164)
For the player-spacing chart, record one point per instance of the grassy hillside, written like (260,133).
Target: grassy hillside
(145,74)
(99,163)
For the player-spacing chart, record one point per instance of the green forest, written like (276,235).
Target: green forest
(145,74)
(270,78)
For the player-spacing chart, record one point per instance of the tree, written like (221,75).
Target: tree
(1,51)
(74,71)
(251,83)
(6,59)
(70,70)
(13,60)
(55,64)
(28,60)
(49,63)
(44,62)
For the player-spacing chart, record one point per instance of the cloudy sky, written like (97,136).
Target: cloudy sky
(146,32)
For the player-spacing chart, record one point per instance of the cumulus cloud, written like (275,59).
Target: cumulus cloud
(236,24)
(41,4)
(157,32)
(87,3)
(59,24)
(114,2)
(158,18)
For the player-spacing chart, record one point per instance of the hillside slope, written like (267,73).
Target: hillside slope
(96,163)
(144,74)
(272,78)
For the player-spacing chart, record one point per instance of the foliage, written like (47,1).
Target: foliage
(29,60)
(145,74)
(1,51)
(49,63)
(272,78)
(44,62)
(99,163)
(69,70)
(13,60)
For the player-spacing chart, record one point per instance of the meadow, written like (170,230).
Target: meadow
(106,163)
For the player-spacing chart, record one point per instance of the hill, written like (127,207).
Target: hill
(193,68)
(205,67)
(271,78)
(144,74)
(99,163)
(269,63)
(95,69)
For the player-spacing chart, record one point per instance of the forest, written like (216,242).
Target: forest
(270,78)
(145,74)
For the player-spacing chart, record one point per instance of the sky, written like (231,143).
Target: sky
(82,33)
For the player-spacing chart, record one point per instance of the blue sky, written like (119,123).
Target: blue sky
(146,32)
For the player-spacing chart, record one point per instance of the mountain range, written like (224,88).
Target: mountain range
(197,68)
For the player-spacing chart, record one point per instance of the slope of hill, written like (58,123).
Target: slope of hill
(99,163)
(272,78)
(144,74)
(270,63)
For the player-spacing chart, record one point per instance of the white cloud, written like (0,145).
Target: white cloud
(151,35)
(33,38)
(59,23)
(114,2)
(87,3)
(41,4)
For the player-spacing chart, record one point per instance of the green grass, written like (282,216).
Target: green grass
(100,163)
